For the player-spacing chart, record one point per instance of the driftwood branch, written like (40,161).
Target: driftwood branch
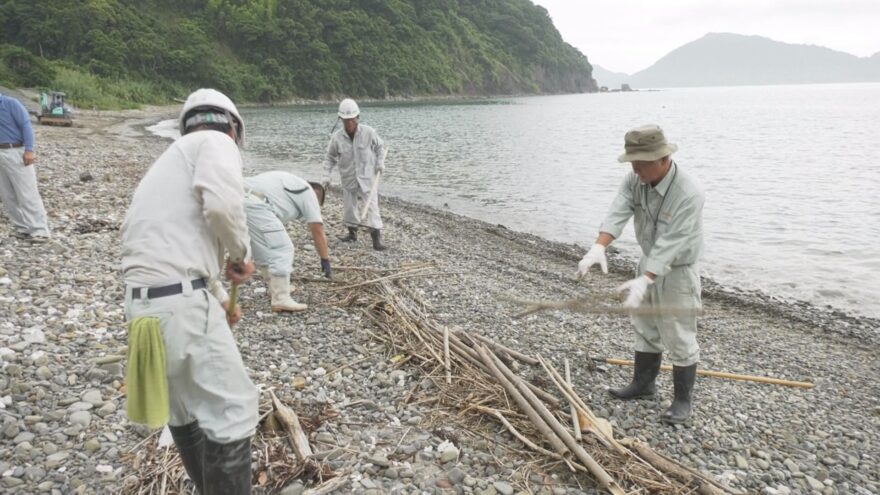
(328,487)
(704,484)
(295,433)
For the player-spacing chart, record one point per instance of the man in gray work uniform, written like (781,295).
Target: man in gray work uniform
(186,216)
(360,154)
(668,209)
(272,199)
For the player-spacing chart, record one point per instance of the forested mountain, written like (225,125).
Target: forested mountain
(274,50)
(725,59)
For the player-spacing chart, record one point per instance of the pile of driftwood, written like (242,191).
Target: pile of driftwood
(281,454)
(479,389)
(481,381)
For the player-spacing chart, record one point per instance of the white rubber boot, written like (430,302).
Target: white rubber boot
(279,291)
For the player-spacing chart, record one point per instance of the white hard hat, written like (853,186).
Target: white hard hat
(348,109)
(207,100)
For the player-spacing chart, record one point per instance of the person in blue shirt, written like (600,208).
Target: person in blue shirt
(18,177)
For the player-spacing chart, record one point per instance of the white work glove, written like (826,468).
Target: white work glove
(637,288)
(595,255)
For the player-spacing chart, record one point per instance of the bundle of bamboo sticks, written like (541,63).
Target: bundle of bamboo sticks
(479,388)
(477,379)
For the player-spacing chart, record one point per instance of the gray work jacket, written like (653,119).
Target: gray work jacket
(668,219)
(358,159)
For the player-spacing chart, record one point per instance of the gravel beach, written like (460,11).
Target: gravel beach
(62,422)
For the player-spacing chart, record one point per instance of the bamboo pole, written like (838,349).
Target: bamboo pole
(605,480)
(410,273)
(514,354)
(446,355)
(548,434)
(528,443)
(722,374)
(233,298)
(571,395)
(574,413)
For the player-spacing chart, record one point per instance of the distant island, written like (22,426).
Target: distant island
(116,53)
(725,59)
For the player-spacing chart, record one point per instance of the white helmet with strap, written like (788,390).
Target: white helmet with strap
(348,109)
(210,101)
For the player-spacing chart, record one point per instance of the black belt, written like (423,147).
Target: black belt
(168,290)
(7,146)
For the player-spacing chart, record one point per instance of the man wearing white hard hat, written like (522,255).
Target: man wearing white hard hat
(667,206)
(187,216)
(360,154)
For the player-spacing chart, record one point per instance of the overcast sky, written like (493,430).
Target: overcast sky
(630,35)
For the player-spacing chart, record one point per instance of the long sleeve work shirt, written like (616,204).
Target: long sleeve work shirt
(668,219)
(15,123)
(186,213)
(358,158)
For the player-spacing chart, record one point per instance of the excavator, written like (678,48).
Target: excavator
(53,111)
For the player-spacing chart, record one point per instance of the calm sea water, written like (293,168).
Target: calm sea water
(791,173)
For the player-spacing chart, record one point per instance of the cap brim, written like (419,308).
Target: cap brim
(648,156)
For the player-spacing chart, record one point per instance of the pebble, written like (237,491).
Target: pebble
(93,397)
(503,488)
(81,418)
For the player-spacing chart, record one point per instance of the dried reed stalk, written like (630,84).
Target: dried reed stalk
(482,390)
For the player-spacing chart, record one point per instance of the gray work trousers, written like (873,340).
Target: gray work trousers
(352,204)
(207,380)
(679,289)
(18,191)
(271,247)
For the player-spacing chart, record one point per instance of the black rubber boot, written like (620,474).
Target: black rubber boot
(647,365)
(351,237)
(228,468)
(376,234)
(683,378)
(190,442)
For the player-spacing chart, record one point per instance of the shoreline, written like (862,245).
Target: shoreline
(835,319)
(61,326)
(840,320)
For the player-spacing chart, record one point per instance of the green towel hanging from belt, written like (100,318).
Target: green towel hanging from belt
(145,382)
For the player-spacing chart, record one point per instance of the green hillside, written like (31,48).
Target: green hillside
(123,52)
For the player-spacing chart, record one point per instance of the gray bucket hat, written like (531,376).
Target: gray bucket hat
(646,143)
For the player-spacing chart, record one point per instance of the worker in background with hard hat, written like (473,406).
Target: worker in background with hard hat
(186,214)
(360,154)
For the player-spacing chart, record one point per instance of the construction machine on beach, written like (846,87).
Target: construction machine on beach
(54,111)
